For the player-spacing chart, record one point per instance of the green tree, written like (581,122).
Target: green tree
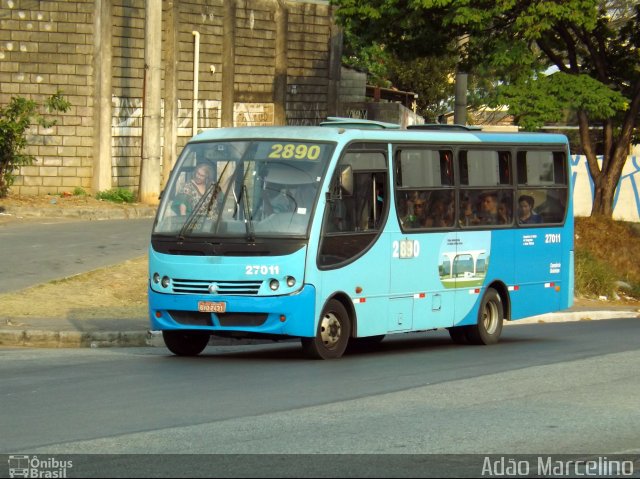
(593,46)
(369,57)
(427,72)
(430,77)
(15,121)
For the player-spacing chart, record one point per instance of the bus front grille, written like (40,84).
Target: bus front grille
(242,319)
(236,288)
(191,318)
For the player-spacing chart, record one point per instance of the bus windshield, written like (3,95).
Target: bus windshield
(243,189)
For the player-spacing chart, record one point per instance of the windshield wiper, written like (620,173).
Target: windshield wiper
(193,218)
(248,221)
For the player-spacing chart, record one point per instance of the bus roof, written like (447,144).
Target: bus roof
(343,135)
(358,123)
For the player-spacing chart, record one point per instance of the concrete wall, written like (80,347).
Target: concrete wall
(627,201)
(277,62)
(46,46)
(353,86)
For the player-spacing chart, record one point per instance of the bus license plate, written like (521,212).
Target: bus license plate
(211,307)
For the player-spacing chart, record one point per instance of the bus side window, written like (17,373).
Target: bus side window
(424,188)
(543,181)
(352,218)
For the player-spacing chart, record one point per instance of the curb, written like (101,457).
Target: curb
(85,213)
(570,316)
(77,339)
(102,339)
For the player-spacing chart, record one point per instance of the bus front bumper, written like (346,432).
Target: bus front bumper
(289,315)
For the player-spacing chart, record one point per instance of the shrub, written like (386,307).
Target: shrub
(606,252)
(593,278)
(117,195)
(15,120)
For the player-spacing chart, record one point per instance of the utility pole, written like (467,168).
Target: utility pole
(228,62)
(460,107)
(281,61)
(170,132)
(102,96)
(149,191)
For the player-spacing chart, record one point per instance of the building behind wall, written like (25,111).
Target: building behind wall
(260,62)
(359,100)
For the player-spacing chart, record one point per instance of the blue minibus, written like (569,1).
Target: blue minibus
(343,233)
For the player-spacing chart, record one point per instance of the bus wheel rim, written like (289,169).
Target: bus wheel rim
(490,317)
(330,330)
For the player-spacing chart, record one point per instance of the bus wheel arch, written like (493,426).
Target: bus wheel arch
(333,332)
(491,316)
(503,291)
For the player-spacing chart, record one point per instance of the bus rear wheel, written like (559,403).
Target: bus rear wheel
(332,336)
(488,328)
(184,343)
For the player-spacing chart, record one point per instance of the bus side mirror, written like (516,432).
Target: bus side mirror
(346,180)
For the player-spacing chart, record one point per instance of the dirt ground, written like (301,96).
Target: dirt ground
(56,201)
(116,292)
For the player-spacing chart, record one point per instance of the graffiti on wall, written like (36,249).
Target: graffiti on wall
(128,113)
(306,114)
(359,114)
(127,120)
(627,197)
(253,114)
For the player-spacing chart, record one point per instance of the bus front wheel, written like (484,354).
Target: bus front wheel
(332,336)
(488,328)
(182,343)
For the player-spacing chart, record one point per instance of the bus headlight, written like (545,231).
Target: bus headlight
(156,278)
(166,281)
(291,281)
(274,284)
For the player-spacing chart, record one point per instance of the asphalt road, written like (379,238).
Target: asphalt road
(559,388)
(38,251)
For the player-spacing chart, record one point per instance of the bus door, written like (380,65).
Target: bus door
(353,252)
(425,205)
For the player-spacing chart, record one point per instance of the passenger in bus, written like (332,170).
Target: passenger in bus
(467,215)
(504,212)
(416,215)
(488,214)
(193,189)
(527,214)
(440,212)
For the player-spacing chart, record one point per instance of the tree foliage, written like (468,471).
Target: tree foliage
(430,78)
(592,45)
(16,118)
(370,46)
